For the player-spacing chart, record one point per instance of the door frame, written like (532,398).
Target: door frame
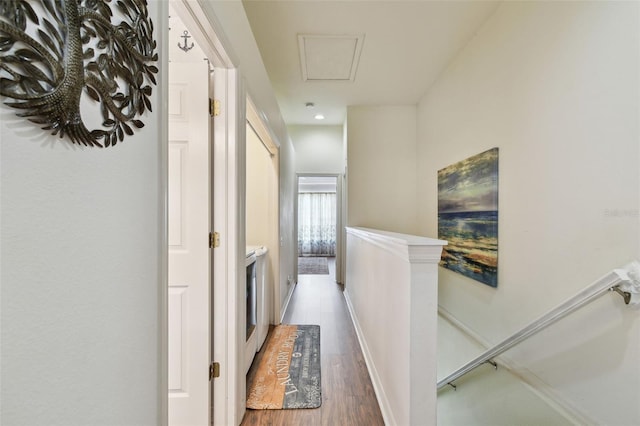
(339,221)
(259,126)
(228,219)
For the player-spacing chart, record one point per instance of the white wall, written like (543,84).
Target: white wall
(381,178)
(555,87)
(319,149)
(341,277)
(288,234)
(83,246)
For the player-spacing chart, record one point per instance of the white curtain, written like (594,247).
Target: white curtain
(317,224)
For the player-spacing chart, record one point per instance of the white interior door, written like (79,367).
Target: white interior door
(189,266)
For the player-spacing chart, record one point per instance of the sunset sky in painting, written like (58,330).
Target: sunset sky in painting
(469,185)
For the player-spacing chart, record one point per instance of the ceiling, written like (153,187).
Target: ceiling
(403,47)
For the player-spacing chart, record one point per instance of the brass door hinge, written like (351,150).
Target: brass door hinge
(214,107)
(214,370)
(214,239)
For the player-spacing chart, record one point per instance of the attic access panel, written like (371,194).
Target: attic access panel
(329,57)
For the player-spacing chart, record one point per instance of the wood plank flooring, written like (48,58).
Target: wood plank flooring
(348,397)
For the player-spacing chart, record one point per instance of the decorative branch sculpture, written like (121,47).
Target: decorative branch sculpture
(78,50)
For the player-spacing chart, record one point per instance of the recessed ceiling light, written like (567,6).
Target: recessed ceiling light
(319,117)
(309,105)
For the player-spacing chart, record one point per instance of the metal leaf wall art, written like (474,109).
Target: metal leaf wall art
(53,53)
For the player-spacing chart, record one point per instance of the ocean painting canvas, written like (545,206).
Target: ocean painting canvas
(468,216)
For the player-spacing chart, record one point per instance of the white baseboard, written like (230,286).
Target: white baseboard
(283,309)
(383,402)
(538,386)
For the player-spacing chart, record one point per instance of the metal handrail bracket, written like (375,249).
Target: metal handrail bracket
(625,281)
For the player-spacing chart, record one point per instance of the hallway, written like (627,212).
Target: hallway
(348,397)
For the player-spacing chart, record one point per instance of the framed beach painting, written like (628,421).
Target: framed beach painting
(468,216)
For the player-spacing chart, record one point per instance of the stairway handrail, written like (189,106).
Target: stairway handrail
(625,281)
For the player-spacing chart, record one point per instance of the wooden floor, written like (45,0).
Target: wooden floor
(347,394)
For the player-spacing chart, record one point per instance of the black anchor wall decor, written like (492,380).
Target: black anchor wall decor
(49,59)
(185,35)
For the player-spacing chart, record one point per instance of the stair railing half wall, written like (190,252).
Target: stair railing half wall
(624,281)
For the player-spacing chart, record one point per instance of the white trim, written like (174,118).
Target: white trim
(344,185)
(163,231)
(381,396)
(236,219)
(229,258)
(413,248)
(224,299)
(283,310)
(340,244)
(258,121)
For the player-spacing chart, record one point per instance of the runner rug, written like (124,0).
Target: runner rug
(313,266)
(288,375)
